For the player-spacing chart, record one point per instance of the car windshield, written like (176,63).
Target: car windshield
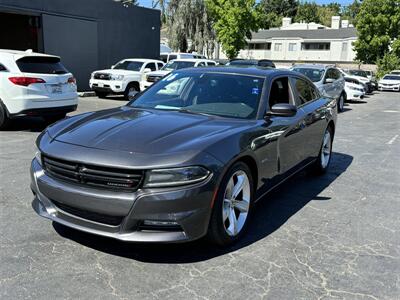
(220,94)
(176,65)
(392,77)
(129,65)
(313,74)
(358,73)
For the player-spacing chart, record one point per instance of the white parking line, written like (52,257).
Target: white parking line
(391,111)
(392,139)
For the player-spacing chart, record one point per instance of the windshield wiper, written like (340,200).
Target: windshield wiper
(183,110)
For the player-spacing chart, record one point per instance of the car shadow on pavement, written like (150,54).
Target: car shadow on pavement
(270,214)
(29,124)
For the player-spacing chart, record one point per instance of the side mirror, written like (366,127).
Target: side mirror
(113,66)
(329,80)
(283,110)
(146,70)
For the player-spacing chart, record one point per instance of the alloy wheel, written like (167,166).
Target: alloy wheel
(326,149)
(341,103)
(132,92)
(236,203)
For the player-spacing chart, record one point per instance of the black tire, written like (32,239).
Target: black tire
(318,167)
(101,95)
(54,118)
(131,87)
(216,231)
(4,119)
(340,102)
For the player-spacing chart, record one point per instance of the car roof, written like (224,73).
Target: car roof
(252,71)
(192,59)
(142,59)
(17,54)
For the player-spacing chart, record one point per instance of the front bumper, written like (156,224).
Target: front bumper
(109,86)
(354,95)
(189,207)
(395,88)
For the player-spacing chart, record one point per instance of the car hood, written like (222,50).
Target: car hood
(144,131)
(118,72)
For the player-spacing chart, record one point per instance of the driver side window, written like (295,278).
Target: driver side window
(280,92)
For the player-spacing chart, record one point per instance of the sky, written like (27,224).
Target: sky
(147,3)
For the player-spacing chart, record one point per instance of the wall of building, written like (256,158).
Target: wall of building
(103,28)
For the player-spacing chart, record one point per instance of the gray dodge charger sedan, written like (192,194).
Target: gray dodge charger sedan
(187,158)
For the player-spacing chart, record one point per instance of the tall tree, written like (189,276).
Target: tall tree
(234,20)
(307,12)
(272,11)
(326,12)
(378,26)
(189,26)
(350,12)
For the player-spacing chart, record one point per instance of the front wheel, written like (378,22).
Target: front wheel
(324,158)
(232,206)
(341,103)
(130,91)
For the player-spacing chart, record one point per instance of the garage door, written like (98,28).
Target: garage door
(75,40)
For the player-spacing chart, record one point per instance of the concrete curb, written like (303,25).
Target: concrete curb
(86,94)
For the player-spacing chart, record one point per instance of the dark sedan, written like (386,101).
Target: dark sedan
(187,158)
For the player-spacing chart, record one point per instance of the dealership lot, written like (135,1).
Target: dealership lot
(334,236)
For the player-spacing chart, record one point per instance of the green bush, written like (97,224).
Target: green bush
(389,62)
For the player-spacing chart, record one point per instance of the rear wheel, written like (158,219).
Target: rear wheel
(4,120)
(232,206)
(101,95)
(322,163)
(341,102)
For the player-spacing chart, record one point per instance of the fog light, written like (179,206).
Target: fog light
(159,223)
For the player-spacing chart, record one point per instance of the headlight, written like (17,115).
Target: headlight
(176,176)
(38,155)
(92,76)
(117,77)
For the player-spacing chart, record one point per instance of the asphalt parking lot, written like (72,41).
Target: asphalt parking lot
(330,237)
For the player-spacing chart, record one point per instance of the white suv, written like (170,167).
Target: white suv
(34,84)
(123,78)
(173,65)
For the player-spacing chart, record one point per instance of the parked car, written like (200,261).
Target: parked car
(327,79)
(176,64)
(168,56)
(354,89)
(186,158)
(390,82)
(251,62)
(34,84)
(123,78)
(361,76)
(371,76)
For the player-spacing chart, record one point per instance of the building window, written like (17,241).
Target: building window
(316,46)
(278,47)
(259,46)
(344,46)
(292,47)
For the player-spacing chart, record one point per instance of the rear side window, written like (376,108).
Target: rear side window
(151,66)
(2,68)
(41,65)
(160,65)
(305,91)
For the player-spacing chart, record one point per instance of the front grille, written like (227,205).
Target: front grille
(88,215)
(90,175)
(153,78)
(102,76)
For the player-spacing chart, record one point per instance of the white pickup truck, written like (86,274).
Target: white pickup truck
(123,78)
